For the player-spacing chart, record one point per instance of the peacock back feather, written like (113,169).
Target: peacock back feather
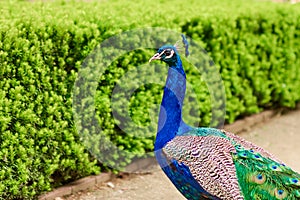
(228,167)
(263,178)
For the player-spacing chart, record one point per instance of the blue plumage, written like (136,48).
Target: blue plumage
(207,163)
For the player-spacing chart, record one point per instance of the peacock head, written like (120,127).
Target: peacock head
(167,53)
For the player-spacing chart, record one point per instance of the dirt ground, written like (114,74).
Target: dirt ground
(280,135)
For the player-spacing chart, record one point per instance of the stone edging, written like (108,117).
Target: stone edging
(76,186)
(248,122)
(90,181)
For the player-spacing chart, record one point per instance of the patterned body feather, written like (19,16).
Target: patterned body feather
(229,167)
(208,163)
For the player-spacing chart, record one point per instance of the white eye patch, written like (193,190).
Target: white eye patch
(168,52)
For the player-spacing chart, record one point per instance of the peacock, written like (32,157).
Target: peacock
(210,163)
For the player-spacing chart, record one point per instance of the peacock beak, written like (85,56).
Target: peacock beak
(155,57)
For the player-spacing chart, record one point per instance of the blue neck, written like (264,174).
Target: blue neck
(170,120)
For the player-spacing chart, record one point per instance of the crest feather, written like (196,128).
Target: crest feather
(182,44)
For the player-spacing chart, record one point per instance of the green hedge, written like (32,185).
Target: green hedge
(255,45)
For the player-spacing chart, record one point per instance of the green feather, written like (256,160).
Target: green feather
(262,178)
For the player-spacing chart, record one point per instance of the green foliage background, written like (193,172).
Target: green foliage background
(255,45)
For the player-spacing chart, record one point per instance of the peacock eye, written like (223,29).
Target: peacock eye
(167,52)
